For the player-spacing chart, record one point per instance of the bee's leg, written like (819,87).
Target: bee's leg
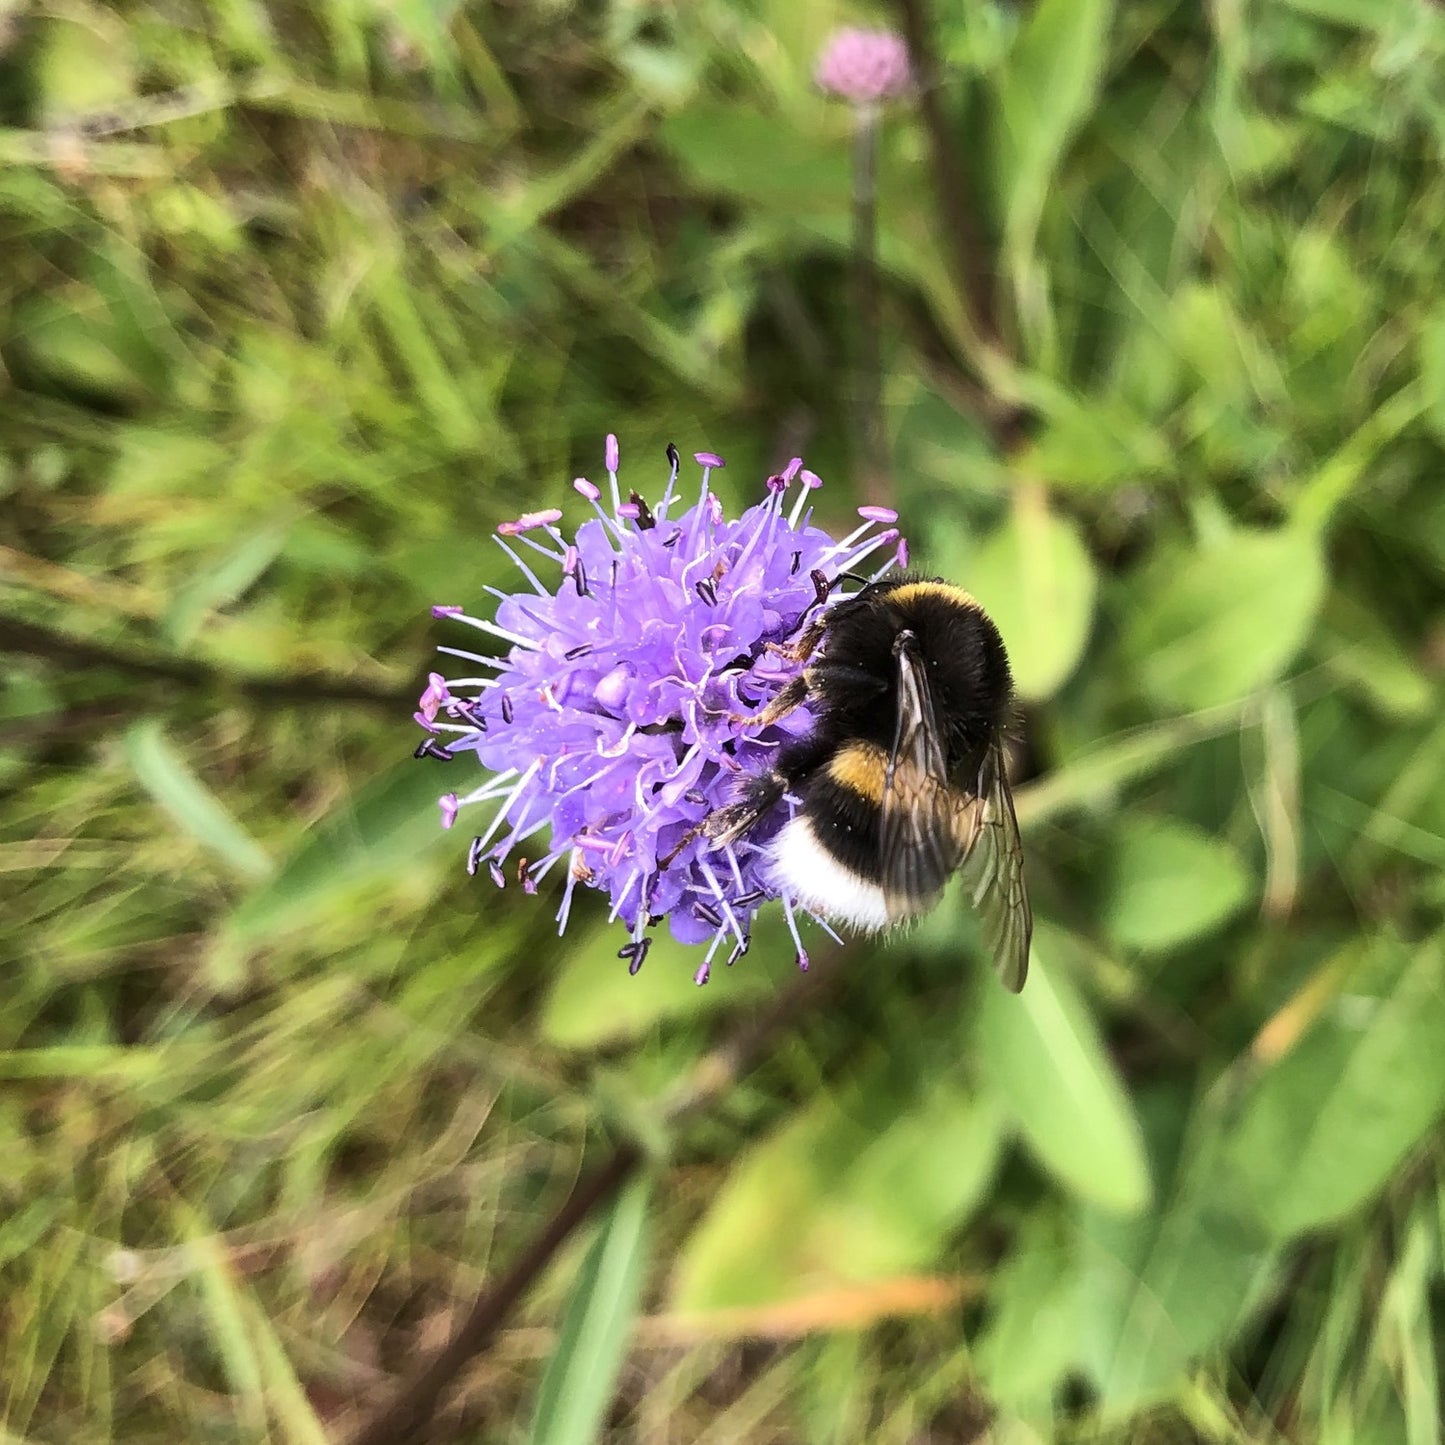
(696,831)
(789,696)
(761,795)
(730,822)
(802,647)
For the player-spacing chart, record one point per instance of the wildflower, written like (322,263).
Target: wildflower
(864,66)
(615,721)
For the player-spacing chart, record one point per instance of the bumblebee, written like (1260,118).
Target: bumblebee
(901,781)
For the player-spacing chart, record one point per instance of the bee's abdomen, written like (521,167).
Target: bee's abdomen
(842,804)
(827,855)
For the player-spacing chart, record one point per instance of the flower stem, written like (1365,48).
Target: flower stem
(970,257)
(973,271)
(870,437)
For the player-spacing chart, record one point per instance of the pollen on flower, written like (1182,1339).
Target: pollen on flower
(607,701)
(864,66)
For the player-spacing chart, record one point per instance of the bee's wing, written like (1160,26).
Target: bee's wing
(919,839)
(993,871)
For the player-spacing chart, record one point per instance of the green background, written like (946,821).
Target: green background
(301,300)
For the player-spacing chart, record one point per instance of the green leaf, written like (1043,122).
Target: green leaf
(1204,627)
(581,1376)
(863,1184)
(1169,883)
(1160,1289)
(164,774)
(1043,1057)
(1324,1129)
(759,158)
(1032,1340)
(1037,582)
(1049,86)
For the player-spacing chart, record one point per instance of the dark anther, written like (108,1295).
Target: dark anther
(821,585)
(671,539)
(468,713)
(793,570)
(573,653)
(744,900)
(580,578)
(430,748)
(674,458)
(498,877)
(635,952)
(741,949)
(696,798)
(613,583)
(707,914)
(474,856)
(645,520)
(506,708)
(706,591)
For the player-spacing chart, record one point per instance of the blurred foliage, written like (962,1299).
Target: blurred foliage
(302,300)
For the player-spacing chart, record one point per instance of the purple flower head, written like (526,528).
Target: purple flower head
(864,66)
(616,718)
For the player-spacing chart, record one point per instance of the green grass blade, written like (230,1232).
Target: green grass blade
(164,774)
(581,1376)
(223,579)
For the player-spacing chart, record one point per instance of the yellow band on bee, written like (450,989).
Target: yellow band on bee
(861,768)
(912,591)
